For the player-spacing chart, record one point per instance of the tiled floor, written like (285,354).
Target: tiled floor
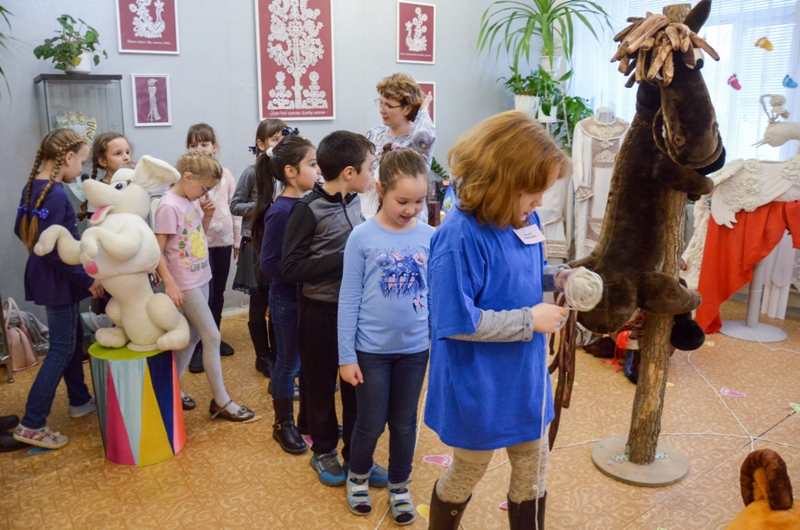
(235,476)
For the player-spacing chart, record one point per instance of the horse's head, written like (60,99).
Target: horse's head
(662,53)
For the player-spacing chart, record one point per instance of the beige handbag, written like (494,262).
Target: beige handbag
(20,345)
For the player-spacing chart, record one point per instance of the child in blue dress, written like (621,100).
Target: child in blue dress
(488,386)
(58,287)
(383,328)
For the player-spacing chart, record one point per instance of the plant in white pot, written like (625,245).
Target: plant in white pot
(525,99)
(73,49)
(512,24)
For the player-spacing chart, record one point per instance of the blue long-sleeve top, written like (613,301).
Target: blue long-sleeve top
(383,304)
(272,245)
(48,280)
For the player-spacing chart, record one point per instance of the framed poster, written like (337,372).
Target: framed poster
(147,26)
(294,50)
(426,88)
(151,102)
(416,32)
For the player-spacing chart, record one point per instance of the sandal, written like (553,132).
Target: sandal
(43,437)
(401,504)
(358,499)
(243,414)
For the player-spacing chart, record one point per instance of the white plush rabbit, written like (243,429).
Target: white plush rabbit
(120,250)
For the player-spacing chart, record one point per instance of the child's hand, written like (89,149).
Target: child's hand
(562,277)
(351,373)
(156,277)
(97,290)
(175,294)
(236,255)
(208,206)
(547,318)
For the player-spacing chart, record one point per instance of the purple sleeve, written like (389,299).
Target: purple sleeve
(272,243)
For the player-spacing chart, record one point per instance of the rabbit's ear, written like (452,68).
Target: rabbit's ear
(153,174)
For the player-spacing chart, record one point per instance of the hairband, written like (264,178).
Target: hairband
(396,146)
(288,131)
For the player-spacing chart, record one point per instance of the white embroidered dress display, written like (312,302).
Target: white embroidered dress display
(594,151)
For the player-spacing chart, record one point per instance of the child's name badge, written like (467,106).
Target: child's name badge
(530,235)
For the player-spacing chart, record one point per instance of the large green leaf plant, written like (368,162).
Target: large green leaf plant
(71,42)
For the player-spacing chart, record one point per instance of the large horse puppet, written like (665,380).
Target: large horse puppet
(673,142)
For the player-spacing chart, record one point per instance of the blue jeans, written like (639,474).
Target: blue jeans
(65,359)
(283,317)
(389,394)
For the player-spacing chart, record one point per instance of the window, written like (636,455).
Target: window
(732,29)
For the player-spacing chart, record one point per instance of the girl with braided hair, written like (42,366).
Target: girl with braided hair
(55,285)
(181,223)
(110,151)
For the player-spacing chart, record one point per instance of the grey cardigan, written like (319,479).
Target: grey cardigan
(244,198)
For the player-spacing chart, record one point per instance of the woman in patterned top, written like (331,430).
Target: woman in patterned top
(406,121)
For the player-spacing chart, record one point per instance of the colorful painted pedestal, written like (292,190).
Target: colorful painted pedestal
(139,405)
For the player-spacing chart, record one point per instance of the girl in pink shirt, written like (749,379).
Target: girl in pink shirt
(181,222)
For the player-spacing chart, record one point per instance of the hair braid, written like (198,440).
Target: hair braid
(25,224)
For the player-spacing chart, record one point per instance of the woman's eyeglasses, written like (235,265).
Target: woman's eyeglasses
(381,105)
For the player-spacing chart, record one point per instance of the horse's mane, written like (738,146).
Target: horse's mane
(649,45)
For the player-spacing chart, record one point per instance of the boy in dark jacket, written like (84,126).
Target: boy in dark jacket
(313,254)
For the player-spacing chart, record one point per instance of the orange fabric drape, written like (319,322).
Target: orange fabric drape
(731,254)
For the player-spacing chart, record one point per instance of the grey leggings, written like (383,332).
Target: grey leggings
(528,469)
(202,327)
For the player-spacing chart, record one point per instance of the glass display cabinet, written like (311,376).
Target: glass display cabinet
(90,104)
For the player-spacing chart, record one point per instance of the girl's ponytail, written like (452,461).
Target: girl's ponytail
(265,196)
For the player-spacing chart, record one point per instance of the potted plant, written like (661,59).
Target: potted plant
(572,110)
(525,99)
(73,49)
(514,23)
(549,91)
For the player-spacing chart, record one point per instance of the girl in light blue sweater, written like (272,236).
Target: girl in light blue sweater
(383,328)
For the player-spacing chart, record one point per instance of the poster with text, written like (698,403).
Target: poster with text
(147,26)
(429,88)
(294,50)
(151,104)
(416,31)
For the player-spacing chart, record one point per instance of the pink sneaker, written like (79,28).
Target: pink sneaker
(43,437)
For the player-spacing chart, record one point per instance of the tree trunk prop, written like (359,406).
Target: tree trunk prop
(648,403)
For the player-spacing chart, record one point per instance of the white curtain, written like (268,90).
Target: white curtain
(732,29)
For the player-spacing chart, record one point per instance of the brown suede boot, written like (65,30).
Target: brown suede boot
(527,515)
(445,515)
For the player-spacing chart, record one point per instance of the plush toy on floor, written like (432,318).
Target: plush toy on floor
(120,250)
(767,495)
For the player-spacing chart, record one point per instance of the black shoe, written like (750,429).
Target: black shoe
(446,515)
(265,371)
(9,422)
(196,364)
(284,431)
(340,431)
(225,349)
(269,387)
(187,403)
(527,515)
(9,444)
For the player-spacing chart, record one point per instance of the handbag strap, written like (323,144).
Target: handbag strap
(12,305)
